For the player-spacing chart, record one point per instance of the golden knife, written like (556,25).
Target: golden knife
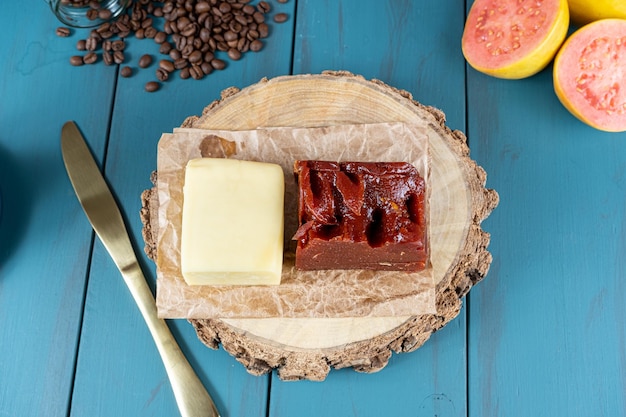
(105,217)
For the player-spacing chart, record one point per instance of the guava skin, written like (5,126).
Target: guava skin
(589,74)
(587,11)
(512,39)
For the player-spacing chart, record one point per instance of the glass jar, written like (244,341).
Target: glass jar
(87,13)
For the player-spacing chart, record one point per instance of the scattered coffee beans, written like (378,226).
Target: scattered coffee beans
(126,71)
(76,60)
(234,54)
(63,32)
(280,17)
(118,57)
(107,58)
(256,45)
(184,73)
(152,86)
(190,33)
(196,72)
(90,58)
(145,61)
(166,65)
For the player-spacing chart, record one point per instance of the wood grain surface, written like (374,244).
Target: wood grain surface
(543,334)
(308,348)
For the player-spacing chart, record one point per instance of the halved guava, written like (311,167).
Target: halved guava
(586,11)
(590,74)
(514,38)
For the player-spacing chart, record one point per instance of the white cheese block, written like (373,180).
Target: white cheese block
(232,224)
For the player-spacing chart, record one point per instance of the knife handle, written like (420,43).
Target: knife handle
(192,398)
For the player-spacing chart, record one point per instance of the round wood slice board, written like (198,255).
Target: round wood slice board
(307,348)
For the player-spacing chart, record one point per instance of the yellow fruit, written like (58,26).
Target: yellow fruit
(514,38)
(585,11)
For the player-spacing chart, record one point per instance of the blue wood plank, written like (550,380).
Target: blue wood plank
(119,371)
(427,382)
(44,237)
(547,329)
(412,46)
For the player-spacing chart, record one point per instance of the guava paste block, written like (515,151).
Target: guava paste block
(361,215)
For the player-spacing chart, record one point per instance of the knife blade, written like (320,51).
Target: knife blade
(104,215)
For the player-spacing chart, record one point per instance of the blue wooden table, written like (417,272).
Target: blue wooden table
(543,335)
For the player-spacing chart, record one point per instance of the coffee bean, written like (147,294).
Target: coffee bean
(126,72)
(218,64)
(243,44)
(146,23)
(118,45)
(180,41)
(264,30)
(145,61)
(229,35)
(196,72)
(234,54)
(80,45)
(91,44)
(152,86)
(258,17)
(282,1)
(160,37)
(206,68)
(166,65)
(168,6)
(118,57)
(90,58)
(181,63)
(63,32)
(195,56)
(182,23)
(107,58)
(263,7)
(105,27)
(256,45)
(280,17)
(187,50)
(150,32)
(253,34)
(189,29)
(204,35)
(162,75)
(165,48)
(104,14)
(242,20)
(184,73)
(76,60)
(92,14)
(225,7)
(175,54)
(122,27)
(202,7)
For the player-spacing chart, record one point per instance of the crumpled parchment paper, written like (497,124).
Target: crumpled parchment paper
(309,294)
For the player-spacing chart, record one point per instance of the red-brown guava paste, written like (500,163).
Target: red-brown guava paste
(360,215)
